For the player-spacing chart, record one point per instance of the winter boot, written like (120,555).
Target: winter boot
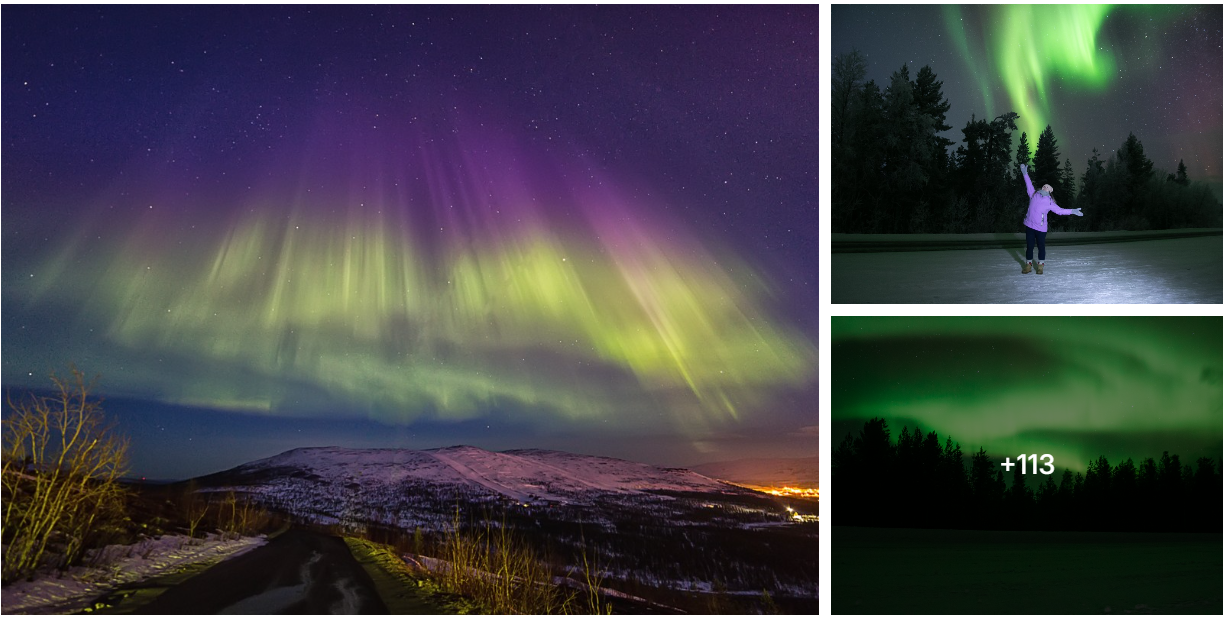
(1040,268)
(1028,266)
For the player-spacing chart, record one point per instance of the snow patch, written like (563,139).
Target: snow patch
(467,473)
(276,599)
(74,590)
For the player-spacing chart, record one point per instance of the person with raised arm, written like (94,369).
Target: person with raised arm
(1040,204)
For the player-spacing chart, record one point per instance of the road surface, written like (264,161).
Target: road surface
(1182,270)
(297,572)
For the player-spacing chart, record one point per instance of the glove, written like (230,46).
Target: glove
(1078,212)
(1024,168)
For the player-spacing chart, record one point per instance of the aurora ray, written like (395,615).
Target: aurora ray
(1030,48)
(449,294)
(579,228)
(1093,73)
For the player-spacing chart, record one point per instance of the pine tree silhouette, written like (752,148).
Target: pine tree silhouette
(916,483)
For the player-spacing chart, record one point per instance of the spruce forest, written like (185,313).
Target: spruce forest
(918,482)
(895,172)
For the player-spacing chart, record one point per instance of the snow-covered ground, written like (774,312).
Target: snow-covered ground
(1183,270)
(73,591)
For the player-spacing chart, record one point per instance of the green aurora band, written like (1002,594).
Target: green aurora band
(1075,388)
(1028,47)
(300,310)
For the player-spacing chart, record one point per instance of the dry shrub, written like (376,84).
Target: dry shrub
(505,575)
(61,463)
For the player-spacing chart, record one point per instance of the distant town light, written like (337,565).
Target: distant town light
(810,493)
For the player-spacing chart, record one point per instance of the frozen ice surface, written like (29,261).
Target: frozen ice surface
(1181,270)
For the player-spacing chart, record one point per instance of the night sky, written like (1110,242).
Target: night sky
(1076,388)
(1093,73)
(590,229)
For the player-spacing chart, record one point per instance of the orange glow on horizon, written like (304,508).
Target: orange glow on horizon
(807,493)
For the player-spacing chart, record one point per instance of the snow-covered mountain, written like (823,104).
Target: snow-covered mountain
(667,528)
(523,475)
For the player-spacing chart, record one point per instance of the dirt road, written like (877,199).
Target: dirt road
(297,572)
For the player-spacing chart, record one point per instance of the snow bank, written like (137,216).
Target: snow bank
(55,593)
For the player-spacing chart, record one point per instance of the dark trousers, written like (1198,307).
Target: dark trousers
(1031,235)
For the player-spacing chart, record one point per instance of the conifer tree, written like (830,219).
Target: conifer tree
(1023,154)
(1068,183)
(1181,179)
(1067,180)
(1046,169)
(1137,165)
(928,97)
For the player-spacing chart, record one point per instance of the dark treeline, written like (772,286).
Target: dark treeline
(919,483)
(893,173)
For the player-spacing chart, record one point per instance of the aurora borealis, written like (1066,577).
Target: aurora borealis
(1094,73)
(1030,47)
(1073,387)
(579,220)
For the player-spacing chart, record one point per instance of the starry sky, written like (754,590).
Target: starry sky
(1073,387)
(582,228)
(1093,73)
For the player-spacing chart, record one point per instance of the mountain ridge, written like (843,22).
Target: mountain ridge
(523,475)
(663,528)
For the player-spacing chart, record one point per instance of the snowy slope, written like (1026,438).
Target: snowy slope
(521,475)
(663,527)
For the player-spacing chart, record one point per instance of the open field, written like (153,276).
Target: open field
(921,571)
(936,269)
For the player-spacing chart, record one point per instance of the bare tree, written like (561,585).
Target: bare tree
(195,508)
(229,528)
(61,464)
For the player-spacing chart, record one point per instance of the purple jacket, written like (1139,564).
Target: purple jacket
(1039,205)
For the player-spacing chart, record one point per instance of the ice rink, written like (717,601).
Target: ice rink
(1176,270)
